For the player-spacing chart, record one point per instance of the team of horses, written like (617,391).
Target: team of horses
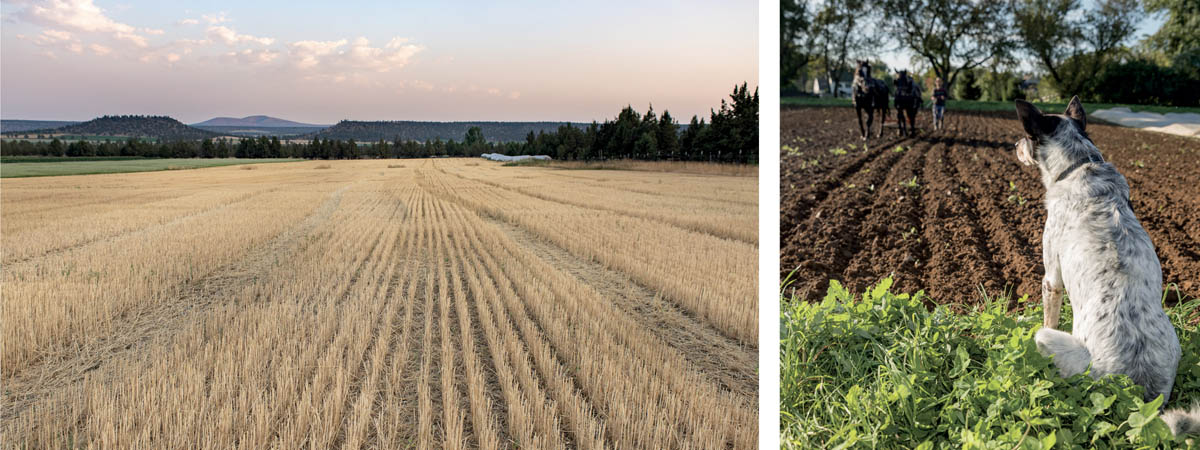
(871,95)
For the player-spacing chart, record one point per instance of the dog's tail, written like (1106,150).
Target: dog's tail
(1183,421)
(1071,357)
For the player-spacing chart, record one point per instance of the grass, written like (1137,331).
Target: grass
(973,105)
(47,167)
(55,159)
(886,371)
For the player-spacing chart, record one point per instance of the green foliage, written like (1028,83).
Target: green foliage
(419,131)
(1007,106)
(1143,81)
(794,39)
(98,165)
(885,370)
(1181,31)
(1000,87)
(967,87)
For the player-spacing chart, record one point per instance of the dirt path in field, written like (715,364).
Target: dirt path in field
(722,359)
(968,214)
(158,319)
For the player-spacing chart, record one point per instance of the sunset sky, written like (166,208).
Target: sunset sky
(320,62)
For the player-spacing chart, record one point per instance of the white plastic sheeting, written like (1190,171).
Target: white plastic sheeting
(499,157)
(1183,124)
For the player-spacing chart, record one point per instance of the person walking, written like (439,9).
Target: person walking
(939,103)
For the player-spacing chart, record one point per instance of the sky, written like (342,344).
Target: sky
(321,62)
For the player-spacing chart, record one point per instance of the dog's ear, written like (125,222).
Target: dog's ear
(1031,118)
(1075,111)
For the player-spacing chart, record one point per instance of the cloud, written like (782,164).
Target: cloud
(82,16)
(214,19)
(188,22)
(192,42)
(514,95)
(308,54)
(342,57)
(229,37)
(154,31)
(493,91)
(172,57)
(249,56)
(99,50)
(51,36)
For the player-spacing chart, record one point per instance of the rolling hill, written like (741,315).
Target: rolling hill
(422,131)
(255,131)
(254,122)
(11,126)
(156,127)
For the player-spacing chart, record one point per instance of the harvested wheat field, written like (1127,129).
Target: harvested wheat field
(432,304)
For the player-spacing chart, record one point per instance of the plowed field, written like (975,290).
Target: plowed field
(949,211)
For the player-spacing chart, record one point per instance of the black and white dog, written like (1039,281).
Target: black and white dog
(1095,248)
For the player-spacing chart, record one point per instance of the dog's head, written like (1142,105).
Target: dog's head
(1042,129)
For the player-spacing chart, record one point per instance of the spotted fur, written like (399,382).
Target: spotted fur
(1095,248)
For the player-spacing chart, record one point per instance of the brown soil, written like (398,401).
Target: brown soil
(975,217)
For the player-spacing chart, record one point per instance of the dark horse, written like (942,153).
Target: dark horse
(872,95)
(908,102)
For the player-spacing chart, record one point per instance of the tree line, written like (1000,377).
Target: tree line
(1077,50)
(729,135)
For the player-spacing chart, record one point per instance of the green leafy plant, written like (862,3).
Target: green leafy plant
(838,151)
(911,184)
(886,370)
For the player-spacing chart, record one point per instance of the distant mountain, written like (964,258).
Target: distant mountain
(7,126)
(423,131)
(253,121)
(157,127)
(250,131)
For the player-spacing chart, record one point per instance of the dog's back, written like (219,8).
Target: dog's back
(1109,267)
(1096,249)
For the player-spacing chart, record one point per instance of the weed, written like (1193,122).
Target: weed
(911,184)
(838,151)
(884,370)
